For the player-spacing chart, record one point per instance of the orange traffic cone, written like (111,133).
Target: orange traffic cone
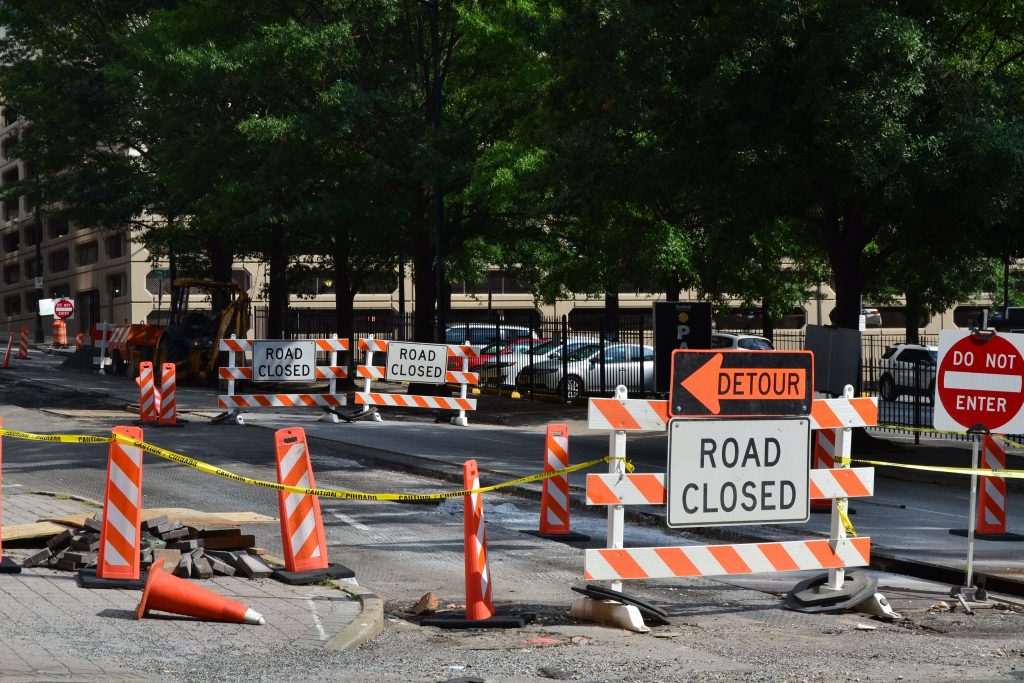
(168,593)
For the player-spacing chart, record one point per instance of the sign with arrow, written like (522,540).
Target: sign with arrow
(741,383)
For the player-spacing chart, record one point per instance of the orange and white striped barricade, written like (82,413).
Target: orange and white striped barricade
(463,378)
(60,333)
(302,527)
(824,457)
(480,612)
(554,498)
(235,371)
(149,407)
(614,563)
(102,339)
(992,492)
(119,562)
(7,565)
(79,340)
(168,403)
(23,344)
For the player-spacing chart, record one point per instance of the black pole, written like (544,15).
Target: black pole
(39,273)
(435,26)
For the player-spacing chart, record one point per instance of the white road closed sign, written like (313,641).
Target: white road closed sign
(283,361)
(414,362)
(725,472)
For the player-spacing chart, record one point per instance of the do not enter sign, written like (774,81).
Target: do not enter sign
(63,308)
(979,381)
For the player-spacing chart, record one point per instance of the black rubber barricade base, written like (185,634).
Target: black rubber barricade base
(333,571)
(988,537)
(9,566)
(571,537)
(650,612)
(458,620)
(805,597)
(87,579)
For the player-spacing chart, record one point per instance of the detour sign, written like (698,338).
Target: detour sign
(741,383)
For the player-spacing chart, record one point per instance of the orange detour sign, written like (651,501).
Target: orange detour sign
(741,383)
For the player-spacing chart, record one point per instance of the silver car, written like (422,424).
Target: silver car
(631,365)
(506,368)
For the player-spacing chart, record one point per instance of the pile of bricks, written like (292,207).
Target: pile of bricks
(194,553)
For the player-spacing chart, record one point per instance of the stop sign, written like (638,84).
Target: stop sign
(63,308)
(979,382)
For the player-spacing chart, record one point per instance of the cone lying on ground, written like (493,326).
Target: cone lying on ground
(168,593)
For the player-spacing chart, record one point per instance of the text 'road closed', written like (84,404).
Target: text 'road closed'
(413,362)
(283,361)
(738,472)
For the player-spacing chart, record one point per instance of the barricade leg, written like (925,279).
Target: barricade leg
(480,611)
(461,420)
(302,528)
(554,499)
(119,562)
(7,565)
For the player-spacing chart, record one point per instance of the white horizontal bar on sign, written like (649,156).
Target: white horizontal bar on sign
(982,381)
(629,414)
(280,400)
(649,489)
(322,372)
(408,401)
(604,564)
(451,376)
(837,413)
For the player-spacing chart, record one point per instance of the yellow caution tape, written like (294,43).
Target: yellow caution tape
(323,493)
(923,430)
(981,472)
(841,504)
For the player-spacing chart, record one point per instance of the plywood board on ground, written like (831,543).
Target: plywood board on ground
(187,516)
(17,532)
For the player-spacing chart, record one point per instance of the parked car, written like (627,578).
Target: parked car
(487,354)
(631,365)
(486,333)
(504,370)
(745,342)
(872,317)
(908,369)
(493,369)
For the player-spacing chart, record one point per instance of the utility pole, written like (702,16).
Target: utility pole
(439,279)
(39,258)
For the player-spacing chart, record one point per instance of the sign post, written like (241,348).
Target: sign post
(978,388)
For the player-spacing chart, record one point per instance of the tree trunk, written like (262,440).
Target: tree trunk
(672,287)
(913,315)
(611,314)
(845,243)
(767,324)
(423,288)
(277,304)
(344,298)
(221,259)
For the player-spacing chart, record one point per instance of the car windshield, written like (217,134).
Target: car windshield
(493,348)
(755,344)
(546,347)
(584,352)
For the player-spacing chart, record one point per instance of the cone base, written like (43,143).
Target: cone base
(87,579)
(9,566)
(567,537)
(988,537)
(332,571)
(458,620)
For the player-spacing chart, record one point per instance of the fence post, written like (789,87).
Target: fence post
(565,358)
(600,358)
(917,403)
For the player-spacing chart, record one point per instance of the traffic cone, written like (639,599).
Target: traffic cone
(7,565)
(149,396)
(302,529)
(480,611)
(167,404)
(7,356)
(554,499)
(168,593)
(60,333)
(23,344)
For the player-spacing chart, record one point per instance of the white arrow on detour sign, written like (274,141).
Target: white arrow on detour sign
(979,381)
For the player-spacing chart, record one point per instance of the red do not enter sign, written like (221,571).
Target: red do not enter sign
(63,308)
(979,382)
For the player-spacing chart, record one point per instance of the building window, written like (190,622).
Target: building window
(242,278)
(31,235)
(60,261)
(115,285)
(31,302)
(30,267)
(59,229)
(158,281)
(12,305)
(12,241)
(12,274)
(58,291)
(7,148)
(115,245)
(87,253)
(8,116)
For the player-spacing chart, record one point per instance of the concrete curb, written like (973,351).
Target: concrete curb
(366,626)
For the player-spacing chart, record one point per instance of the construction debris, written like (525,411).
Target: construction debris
(186,550)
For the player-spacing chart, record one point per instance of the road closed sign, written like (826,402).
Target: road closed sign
(414,362)
(283,361)
(979,381)
(724,472)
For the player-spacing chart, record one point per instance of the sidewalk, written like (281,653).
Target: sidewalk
(52,629)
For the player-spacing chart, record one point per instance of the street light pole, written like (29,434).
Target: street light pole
(439,279)
(39,259)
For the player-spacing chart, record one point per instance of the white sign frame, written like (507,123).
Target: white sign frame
(942,420)
(403,359)
(696,494)
(283,360)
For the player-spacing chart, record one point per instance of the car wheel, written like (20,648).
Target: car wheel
(887,388)
(572,387)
